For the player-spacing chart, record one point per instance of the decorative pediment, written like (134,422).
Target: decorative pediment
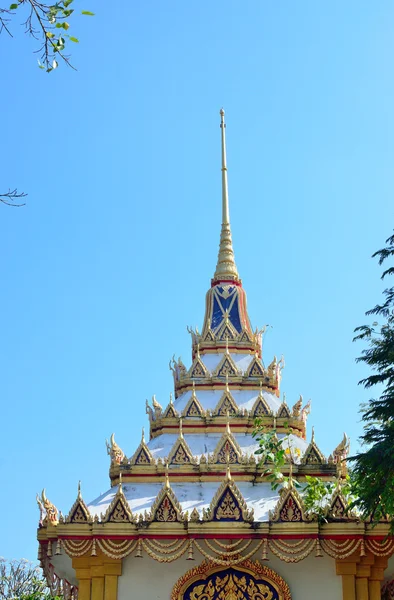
(283,411)
(255,369)
(228,504)
(166,508)
(290,508)
(226,405)
(170,412)
(245,337)
(198,370)
(142,456)
(180,453)
(313,455)
(193,408)
(209,337)
(227,367)
(79,512)
(338,506)
(261,407)
(227,450)
(119,510)
(226,332)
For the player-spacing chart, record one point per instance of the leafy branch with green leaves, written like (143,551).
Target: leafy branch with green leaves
(48,24)
(276,453)
(373,469)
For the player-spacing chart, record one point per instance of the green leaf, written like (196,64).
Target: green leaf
(88,13)
(67,3)
(74,39)
(14,6)
(50,35)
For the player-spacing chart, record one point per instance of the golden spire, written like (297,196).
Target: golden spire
(226,267)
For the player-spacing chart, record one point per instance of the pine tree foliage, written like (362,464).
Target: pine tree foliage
(373,469)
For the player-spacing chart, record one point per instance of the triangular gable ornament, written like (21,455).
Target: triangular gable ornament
(261,407)
(228,504)
(227,366)
(198,370)
(227,450)
(283,410)
(245,337)
(180,453)
(119,510)
(289,508)
(226,332)
(209,336)
(226,404)
(79,512)
(166,508)
(142,456)
(170,412)
(313,455)
(338,506)
(193,407)
(256,368)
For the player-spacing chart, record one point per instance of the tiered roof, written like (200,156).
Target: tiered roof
(198,474)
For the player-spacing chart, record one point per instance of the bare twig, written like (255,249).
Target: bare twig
(11,198)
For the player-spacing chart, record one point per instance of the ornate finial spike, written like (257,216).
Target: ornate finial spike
(226,345)
(194,389)
(79,490)
(198,350)
(228,472)
(143,435)
(167,480)
(180,428)
(261,388)
(228,430)
(120,482)
(313,433)
(284,398)
(225,268)
(170,397)
(227,388)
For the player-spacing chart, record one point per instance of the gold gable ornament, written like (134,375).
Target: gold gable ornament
(170,412)
(166,508)
(313,455)
(226,331)
(79,512)
(227,366)
(142,456)
(227,449)
(228,504)
(180,453)
(261,407)
(119,510)
(226,404)
(283,410)
(290,507)
(338,508)
(256,368)
(198,370)
(193,407)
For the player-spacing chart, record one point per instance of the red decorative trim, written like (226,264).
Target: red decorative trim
(230,281)
(217,536)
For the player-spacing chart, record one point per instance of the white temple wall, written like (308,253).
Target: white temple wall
(309,579)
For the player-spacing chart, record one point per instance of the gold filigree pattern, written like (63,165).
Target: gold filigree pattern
(290,508)
(227,508)
(228,454)
(166,512)
(255,369)
(283,411)
(248,580)
(226,405)
(227,368)
(198,370)
(119,510)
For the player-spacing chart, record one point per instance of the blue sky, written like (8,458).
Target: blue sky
(112,256)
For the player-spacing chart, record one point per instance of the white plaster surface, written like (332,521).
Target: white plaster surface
(243,398)
(141,496)
(211,361)
(311,579)
(205,443)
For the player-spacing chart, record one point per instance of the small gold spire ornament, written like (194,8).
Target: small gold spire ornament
(138,554)
(58,547)
(264,550)
(226,268)
(190,552)
(318,553)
